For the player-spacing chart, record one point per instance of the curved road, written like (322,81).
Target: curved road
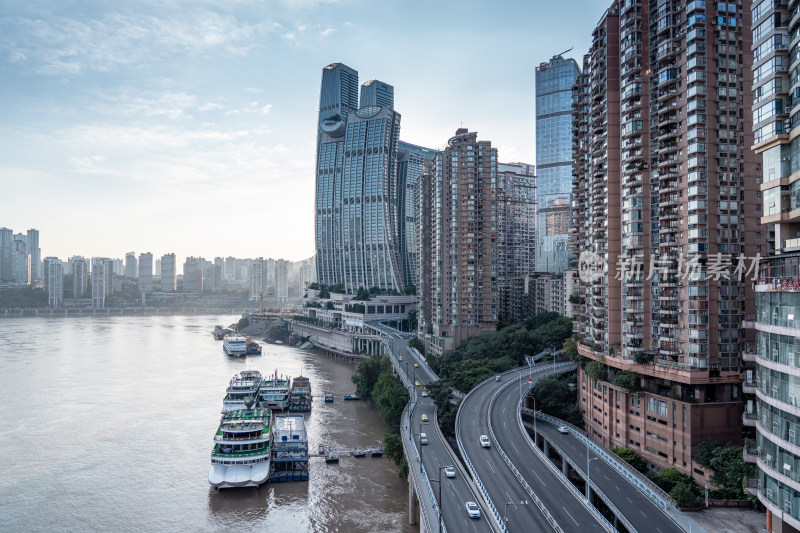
(569,513)
(455,492)
(640,510)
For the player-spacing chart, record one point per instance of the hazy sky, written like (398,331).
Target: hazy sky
(189,127)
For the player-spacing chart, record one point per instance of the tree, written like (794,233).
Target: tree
(554,397)
(390,397)
(630,456)
(596,371)
(362,294)
(329,305)
(393,448)
(337,288)
(418,344)
(243,323)
(409,290)
(670,478)
(627,380)
(366,376)
(683,495)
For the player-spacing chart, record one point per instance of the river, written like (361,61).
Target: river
(107,425)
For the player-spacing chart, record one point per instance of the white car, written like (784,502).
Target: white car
(450,471)
(424,394)
(563,429)
(473,510)
(485,441)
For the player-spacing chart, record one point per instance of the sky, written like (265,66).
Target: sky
(189,127)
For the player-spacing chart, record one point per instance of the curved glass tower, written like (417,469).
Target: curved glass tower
(356,217)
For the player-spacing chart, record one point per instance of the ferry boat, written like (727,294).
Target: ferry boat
(234,345)
(300,401)
(274,393)
(245,385)
(241,454)
(253,348)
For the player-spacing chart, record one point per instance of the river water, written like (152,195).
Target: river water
(106,424)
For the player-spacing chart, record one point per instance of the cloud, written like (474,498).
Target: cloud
(266,109)
(327,32)
(289,35)
(68,46)
(210,107)
(128,102)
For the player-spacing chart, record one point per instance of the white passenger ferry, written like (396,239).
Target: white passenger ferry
(275,392)
(234,345)
(241,454)
(245,385)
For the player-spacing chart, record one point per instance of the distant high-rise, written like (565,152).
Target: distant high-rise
(168,273)
(36,254)
(102,281)
(193,275)
(158,268)
(411,160)
(356,219)
(79,266)
(554,81)
(145,283)
(131,265)
(282,280)
(459,272)
(54,272)
(6,252)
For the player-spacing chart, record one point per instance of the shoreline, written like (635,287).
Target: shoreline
(119,311)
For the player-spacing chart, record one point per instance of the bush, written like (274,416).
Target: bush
(683,494)
(627,380)
(596,371)
(630,456)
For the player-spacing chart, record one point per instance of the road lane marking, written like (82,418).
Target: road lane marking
(490,466)
(573,518)
(515,446)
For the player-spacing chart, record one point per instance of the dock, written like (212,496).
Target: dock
(289,457)
(332,455)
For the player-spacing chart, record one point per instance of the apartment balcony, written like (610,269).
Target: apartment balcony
(749,354)
(749,419)
(749,387)
(751,486)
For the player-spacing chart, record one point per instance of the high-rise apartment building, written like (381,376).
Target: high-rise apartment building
(772,391)
(665,189)
(169,270)
(554,81)
(102,281)
(54,275)
(459,270)
(145,281)
(79,267)
(193,275)
(282,268)
(411,159)
(6,253)
(158,268)
(516,236)
(36,254)
(131,265)
(356,218)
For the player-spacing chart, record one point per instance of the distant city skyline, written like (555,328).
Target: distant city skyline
(191,129)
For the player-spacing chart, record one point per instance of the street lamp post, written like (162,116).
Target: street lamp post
(588,474)
(439,498)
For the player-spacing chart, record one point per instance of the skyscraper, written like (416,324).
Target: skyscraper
(6,253)
(282,280)
(79,266)
(356,219)
(145,282)
(36,254)
(666,199)
(554,81)
(458,276)
(377,93)
(131,266)
(771,415)
(54,272)
(168,273)
(102,281)
(411,160)
(193,275)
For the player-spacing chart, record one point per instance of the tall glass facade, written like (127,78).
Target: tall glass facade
(411,160)
(357,196)
(554,81)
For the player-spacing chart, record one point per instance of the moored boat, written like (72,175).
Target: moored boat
(241,454)
(253,348)
(235,345)
(275,392)
(241,387)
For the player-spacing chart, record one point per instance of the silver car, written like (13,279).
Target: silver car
(473,510)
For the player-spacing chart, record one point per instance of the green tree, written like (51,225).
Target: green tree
(362,294)
(418,344)
(626,379)
(390,397)
(393,448)
(409,290)
(243,323)
(554,397)
(670,478)
(596,371)
(329,305)
(366,376)
(630,456)
(337,288)
(683,494)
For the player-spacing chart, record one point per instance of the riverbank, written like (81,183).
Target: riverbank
(122,311)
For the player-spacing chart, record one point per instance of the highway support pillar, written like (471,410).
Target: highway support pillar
(565,468)
(546,449)
(412,503)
